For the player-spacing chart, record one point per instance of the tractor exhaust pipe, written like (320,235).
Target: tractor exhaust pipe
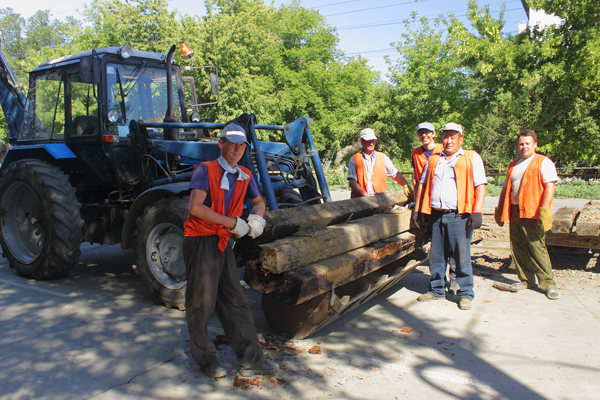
(170,133)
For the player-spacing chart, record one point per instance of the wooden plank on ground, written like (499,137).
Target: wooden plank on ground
(562,220)
(572,240)
(317,278)
(296,251)
(588,222)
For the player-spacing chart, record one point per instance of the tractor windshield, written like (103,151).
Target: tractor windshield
(139,92)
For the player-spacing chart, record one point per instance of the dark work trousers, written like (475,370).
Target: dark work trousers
(528,248)
(213,283)
(450,234)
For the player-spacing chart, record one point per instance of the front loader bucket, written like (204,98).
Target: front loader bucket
(299,321)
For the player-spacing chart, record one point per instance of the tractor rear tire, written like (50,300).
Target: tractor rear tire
(41,228)
(159,250)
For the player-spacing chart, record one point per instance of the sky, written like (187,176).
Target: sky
(365,27)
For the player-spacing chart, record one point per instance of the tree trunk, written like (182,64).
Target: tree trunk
(346,151)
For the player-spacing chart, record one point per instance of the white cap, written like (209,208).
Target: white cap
(426,125)
(234,133)
(451,126)
(367,134)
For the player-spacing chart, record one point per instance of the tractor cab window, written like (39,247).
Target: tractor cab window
(45,113)
(84,107)
(139,92)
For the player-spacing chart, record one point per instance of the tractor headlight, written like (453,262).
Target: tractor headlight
(126,51)
(112,116)
(195,117)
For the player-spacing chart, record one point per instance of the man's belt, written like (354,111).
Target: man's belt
(445,211)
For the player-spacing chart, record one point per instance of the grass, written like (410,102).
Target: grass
(567,188)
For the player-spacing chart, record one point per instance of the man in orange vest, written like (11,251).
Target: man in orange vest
(451,192)
(218,189)
(420,156)
(368,169)
(526,202)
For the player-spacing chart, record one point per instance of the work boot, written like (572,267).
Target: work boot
(521,286)
(465,304)
(453,286)
(429,297)
(266,369)
(552,294)
(214,370)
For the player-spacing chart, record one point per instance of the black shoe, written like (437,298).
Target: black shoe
(214,370)
(266,369)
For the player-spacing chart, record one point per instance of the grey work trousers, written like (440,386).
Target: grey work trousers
(213,283)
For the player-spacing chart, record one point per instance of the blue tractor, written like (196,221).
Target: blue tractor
(103,146)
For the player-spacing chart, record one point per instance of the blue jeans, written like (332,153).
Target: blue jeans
(450,233)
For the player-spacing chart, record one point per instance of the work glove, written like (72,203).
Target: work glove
(498,217)
(241,228)
(408,192)
(256,224)
(546,218)
(416,217)
(476,219)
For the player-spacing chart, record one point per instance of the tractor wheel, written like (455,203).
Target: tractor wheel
(159,250)
(41,228)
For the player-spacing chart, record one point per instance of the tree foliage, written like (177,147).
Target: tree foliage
(283,63)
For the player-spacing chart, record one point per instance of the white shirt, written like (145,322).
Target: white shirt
(548,171)
(369,162)
(444,194)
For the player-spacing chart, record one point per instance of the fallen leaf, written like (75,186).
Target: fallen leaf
(487,301)
(315,350)
(406,330)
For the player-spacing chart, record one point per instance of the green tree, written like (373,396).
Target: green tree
(28,42)
(144,25)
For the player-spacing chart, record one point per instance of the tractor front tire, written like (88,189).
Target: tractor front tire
(159,250)
(41,228)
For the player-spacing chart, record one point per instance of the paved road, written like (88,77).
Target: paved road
(98,334)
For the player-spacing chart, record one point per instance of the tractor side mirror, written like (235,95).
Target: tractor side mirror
(89,69)
(214,83)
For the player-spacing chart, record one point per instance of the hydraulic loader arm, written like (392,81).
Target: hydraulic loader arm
(12,98)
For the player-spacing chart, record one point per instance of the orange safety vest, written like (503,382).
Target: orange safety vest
(419,159)
(378,177)
(530,199)
(465,187)
(194,226)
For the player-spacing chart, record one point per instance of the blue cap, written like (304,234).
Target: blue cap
(234,133)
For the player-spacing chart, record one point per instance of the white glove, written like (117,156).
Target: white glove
(241,228)
(256,224)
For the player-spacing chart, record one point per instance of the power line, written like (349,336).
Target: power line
(334,4)
(374,8)
(395,22)
(464,10)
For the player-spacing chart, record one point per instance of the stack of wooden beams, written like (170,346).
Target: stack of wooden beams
(306,251)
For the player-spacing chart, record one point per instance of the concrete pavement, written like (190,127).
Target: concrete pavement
(97,334)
